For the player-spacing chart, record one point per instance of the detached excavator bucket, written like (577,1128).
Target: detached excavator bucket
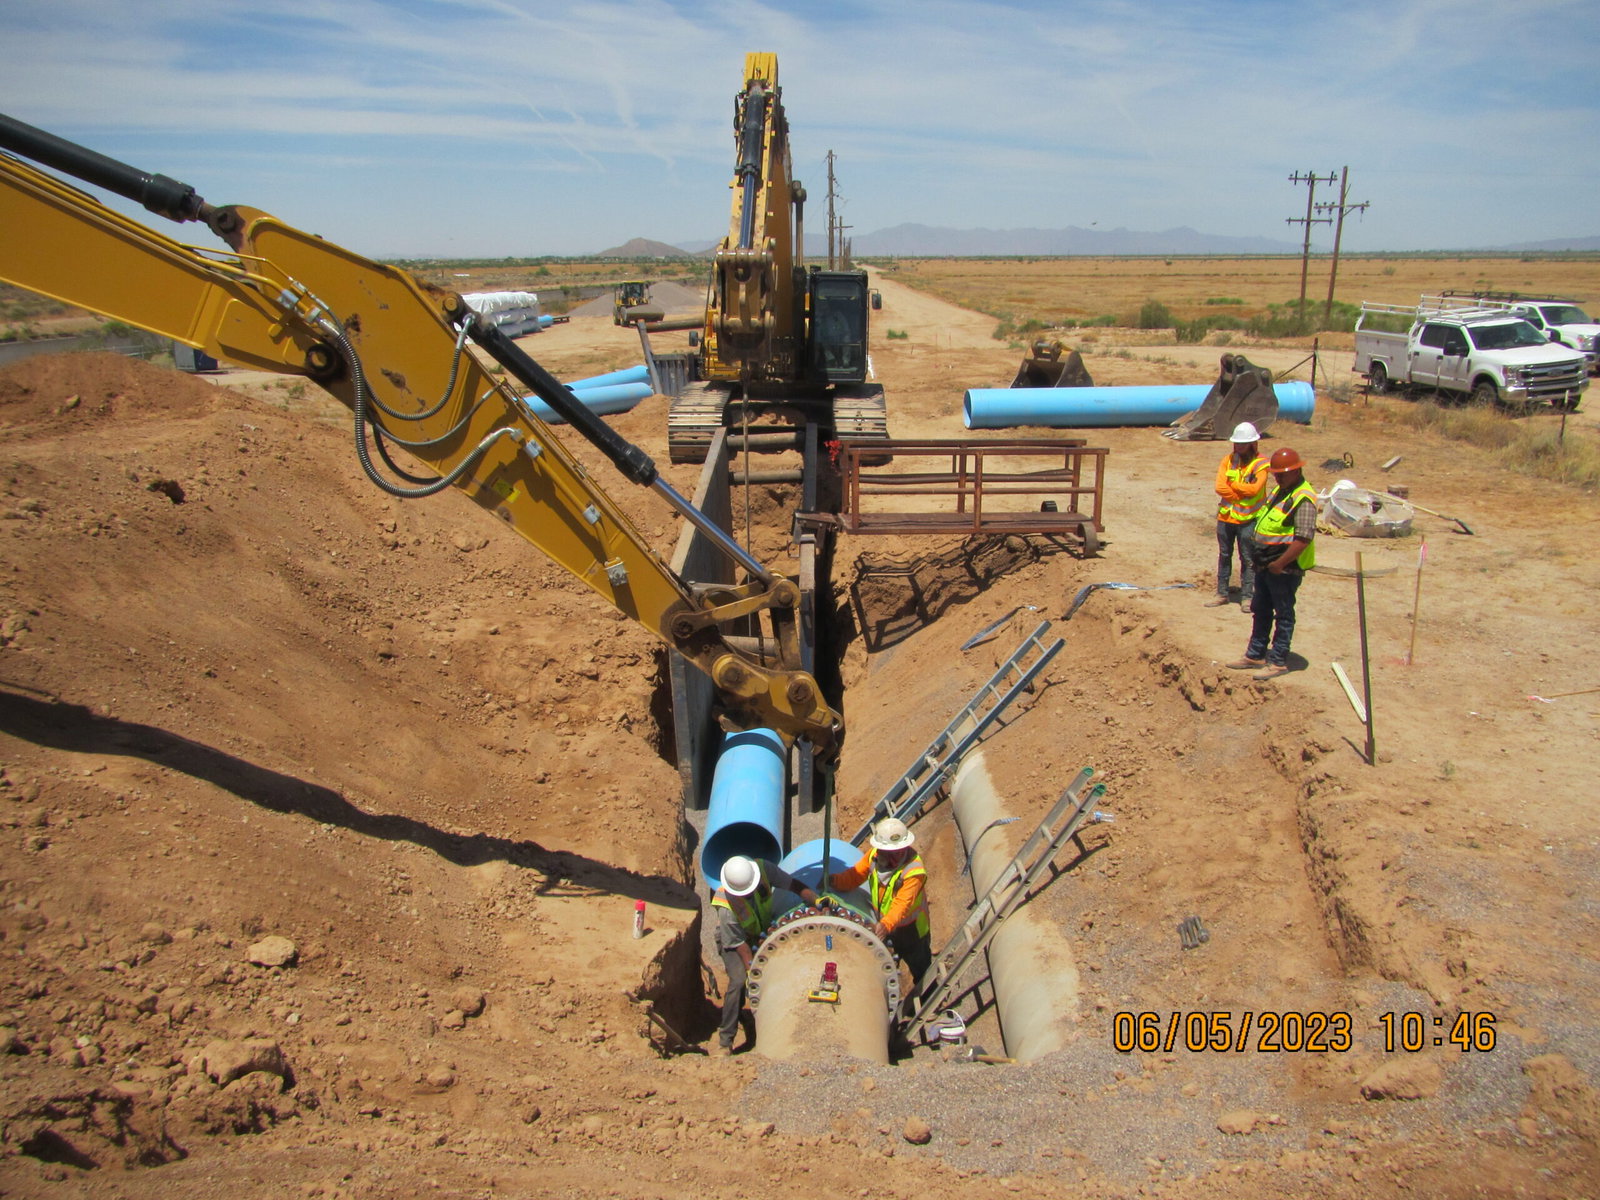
(1045,368)
(1242,392)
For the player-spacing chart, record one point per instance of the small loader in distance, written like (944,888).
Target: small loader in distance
(631,304)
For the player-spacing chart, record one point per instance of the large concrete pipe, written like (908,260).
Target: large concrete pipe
(791,965)
(1093,407)
(1031,968)
(745,813)
(603,400)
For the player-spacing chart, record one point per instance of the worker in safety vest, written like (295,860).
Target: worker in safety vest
(1242,479)
(1284,531)
(895,878)
(743,907)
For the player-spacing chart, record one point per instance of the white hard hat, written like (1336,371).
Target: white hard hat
(1245,432)
(891,834)
(740,875)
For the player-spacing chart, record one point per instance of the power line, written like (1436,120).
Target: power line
(1310,179)
(1340,207)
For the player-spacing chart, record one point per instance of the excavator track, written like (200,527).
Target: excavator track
(856,414)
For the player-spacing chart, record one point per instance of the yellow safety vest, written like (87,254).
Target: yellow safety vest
(757,914)
(1275,525)
(1238,512)
(883,890)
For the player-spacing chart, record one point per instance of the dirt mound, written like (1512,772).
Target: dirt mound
(50,392)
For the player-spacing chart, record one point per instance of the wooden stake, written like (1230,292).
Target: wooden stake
(1416,602)
(1366,661)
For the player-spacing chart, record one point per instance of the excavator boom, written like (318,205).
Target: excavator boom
(394,350)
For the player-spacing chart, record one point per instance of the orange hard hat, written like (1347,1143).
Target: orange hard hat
(1284,459)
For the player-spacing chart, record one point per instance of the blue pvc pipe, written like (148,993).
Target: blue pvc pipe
(804,862)
(745,815)
(616,398)
(639,374)
(1081,408)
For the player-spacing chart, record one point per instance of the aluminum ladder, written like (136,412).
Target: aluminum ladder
(1010,888)
(910,792)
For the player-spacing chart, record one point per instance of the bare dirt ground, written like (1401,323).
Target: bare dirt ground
(245,696)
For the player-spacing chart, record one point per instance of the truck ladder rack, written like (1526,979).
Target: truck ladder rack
(1010,888)
(934,765)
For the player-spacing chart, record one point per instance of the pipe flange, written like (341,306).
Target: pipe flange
(839,923)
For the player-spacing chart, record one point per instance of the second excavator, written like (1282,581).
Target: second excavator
(783,344)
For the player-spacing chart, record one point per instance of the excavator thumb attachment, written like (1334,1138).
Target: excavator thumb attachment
(1242,392)
(1045,368)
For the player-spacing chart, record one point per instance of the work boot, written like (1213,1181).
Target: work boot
(1217,601)
(1244,605)
(1247,664)
(1272,671)
(720,1050)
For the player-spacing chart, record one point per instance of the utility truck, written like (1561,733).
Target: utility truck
(1486,353)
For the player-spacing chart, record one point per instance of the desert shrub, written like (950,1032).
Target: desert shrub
(1289,320)
(898,335)
(1195,331)
(1216,300)
(1105,321)
(1011,328)
(1154,315)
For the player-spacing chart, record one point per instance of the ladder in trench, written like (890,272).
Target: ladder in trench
(1005,895)
(933,766)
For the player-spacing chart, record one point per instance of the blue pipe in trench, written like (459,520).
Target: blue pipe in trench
(748,789)
(1094,407)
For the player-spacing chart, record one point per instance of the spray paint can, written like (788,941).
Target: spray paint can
(638,918)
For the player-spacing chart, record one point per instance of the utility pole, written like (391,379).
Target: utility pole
(1343,206)
(1310,179)
(831,223)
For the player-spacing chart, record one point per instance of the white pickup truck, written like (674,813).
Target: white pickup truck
(1487,353)
(1564,322)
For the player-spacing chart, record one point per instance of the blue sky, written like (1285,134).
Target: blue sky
(465,128)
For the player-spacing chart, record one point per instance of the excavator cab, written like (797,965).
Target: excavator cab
(837,302)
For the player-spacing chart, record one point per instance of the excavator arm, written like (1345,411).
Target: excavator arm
(394,350)
(752,322)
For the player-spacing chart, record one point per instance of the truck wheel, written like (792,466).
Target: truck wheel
(1485,394)
(1378,378)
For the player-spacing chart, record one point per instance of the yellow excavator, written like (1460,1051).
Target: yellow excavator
(781,343)
(394,350)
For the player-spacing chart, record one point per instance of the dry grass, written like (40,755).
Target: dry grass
(1545,450)
(1061,291)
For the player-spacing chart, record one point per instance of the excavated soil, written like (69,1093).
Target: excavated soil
(326,813)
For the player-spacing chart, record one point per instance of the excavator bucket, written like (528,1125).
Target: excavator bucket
(1045,368)
(1242,392)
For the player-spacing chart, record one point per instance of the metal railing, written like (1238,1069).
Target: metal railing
(1031,485)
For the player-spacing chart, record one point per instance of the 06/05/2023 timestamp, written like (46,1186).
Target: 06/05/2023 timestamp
(1295,1032)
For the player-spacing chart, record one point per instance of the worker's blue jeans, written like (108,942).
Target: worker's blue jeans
(1272,615)
(1231,534)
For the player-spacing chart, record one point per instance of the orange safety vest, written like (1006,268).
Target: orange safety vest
(1238,512)
(883,890)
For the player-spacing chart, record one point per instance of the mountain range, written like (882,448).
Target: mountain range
(927,241)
